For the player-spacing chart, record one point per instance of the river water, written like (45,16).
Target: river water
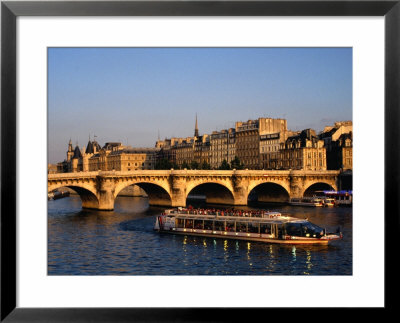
(122,242)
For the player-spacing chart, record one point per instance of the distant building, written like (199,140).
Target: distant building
(264,143)
(273,133)
(113,156)
(166,151)
(303,151)
(201,150)
(51,169)
(74,158)
(258,141)
(344,151)
(181,151)
(128,159)
(338,141)
(222,147)
(184,151)
(248,144)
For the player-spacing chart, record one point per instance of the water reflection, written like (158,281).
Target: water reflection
(122,242)
(308,263)
(294,253)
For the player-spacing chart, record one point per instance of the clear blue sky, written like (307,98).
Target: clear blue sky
(131,94)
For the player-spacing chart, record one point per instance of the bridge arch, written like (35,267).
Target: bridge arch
(158,193)
(215,192)
(268,192)
(312,188)
(86,193)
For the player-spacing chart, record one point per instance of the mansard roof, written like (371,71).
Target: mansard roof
(345,136)
(135,151)
(303,137)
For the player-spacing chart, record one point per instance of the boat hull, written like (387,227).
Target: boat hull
(233,236)
(305,204)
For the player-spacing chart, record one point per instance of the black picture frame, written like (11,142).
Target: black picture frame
(10,10)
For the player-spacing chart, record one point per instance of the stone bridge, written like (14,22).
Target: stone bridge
(98,190)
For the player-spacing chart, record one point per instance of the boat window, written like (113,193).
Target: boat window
(265,228)
(198,224)
(310,229)
(188,223)
(293,229)
(219,225)
(208,225)
(230,226)
(180,223)
(253,227)
(241,227)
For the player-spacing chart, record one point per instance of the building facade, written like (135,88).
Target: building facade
(273,133)
(248,143)
(223,147)
(201,150)
(304,151)
(184,151)
(258,142)
(113,156)
(338,140)
(131,159)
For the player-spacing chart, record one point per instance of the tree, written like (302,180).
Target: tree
(194,165)
(185,165)
(224,165)
(236,164)
(163,164)
(205,165)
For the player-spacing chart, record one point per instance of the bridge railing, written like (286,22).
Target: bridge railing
(73,175)
(191,172)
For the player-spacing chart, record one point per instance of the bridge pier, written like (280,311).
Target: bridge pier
(106,194)
(240,190)
(240,197)
(178,198)
(178,191)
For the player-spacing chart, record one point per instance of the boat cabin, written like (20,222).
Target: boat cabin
(269,225)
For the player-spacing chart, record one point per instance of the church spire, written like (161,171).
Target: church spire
(70,145)
(196,128)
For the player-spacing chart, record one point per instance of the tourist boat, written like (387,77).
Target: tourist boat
(264,226)
(55,195)
(307,201)
(342,198)
(329,202)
